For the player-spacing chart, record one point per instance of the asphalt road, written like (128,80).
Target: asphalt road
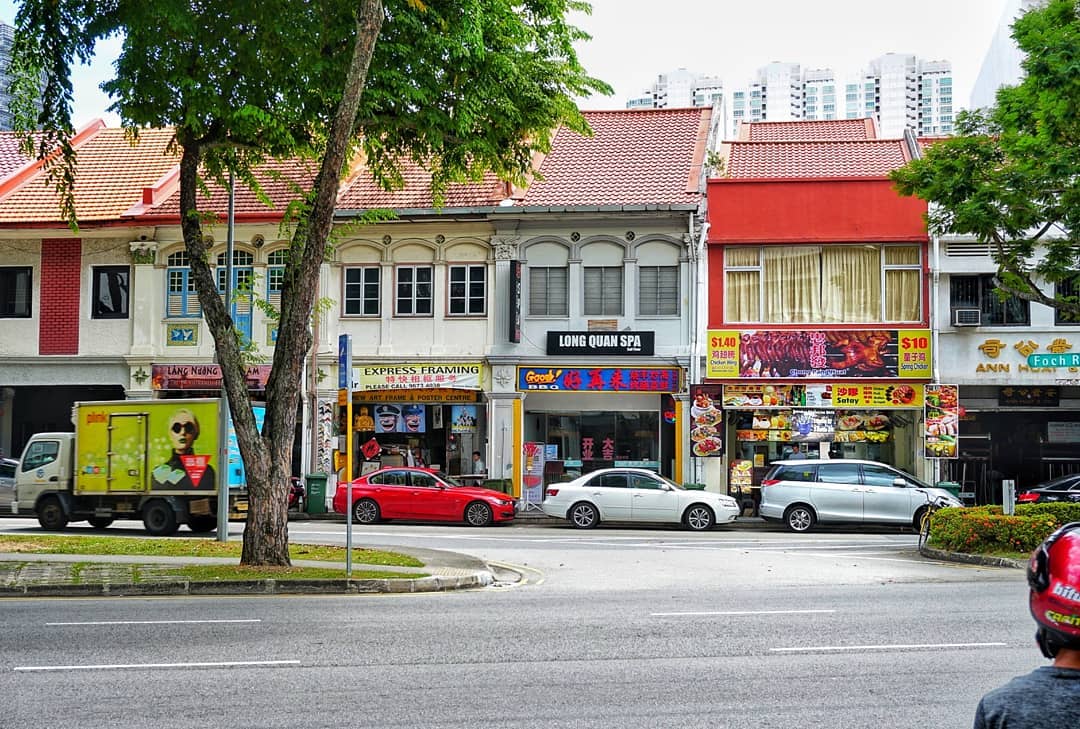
(612,628)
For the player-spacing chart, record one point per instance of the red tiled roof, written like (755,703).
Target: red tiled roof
(871,158)
(801,131)
(638,157)
(11,157)
(276,178)
(361,192)
(111,173)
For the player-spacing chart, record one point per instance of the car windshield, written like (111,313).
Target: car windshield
(669,482)
(447,478)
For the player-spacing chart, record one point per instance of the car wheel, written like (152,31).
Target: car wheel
(916,522)
(100,522)
(202,523)
(799,518)
(365,511)
(51,514)
(478,514)
(159,519)
(699,518)
(584,515)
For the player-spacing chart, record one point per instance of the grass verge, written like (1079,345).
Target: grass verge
(182,547)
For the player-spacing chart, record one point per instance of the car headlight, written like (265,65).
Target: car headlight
(728,501)
(504,502)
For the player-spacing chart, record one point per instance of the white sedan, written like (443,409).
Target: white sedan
(635,494)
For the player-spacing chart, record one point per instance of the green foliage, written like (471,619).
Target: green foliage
(985,529)
(1011,177)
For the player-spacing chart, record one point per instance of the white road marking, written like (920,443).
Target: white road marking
(158,622)
(893,647)
(742,612)
(119,666)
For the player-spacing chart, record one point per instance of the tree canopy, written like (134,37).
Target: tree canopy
(1011,175)
(458,86)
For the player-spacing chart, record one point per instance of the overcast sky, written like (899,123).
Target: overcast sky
(635,40)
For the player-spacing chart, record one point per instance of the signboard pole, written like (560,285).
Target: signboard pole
(223,417)
(345,388)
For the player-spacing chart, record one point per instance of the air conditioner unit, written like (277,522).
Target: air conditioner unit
(966,317)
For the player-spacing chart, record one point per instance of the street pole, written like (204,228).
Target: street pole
(224,420)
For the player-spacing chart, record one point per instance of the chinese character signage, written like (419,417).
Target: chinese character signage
(463,375)
(1044,397)
(706,421)
(941,418)
(828,395)
(822,354)
(202,377)
(598,379)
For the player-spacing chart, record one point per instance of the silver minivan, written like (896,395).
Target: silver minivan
(801,493)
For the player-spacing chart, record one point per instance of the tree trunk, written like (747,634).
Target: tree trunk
(267,456)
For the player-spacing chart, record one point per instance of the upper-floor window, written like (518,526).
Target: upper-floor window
(414,291)
(839,284)
(658,290)
(110,291)
(468,290)
(978,292)
(603,290)
(243,273)
(362,291)
(180,297)
(548,291)
(15,290)
(1069,291)
(275,276)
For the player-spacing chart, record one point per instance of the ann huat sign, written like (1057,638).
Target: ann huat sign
(614,344)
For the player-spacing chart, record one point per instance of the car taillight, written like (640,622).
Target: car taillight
(770,481)
(553,492)
(1027,496)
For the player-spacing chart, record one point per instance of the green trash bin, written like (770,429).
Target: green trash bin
(316,493)
(951,486)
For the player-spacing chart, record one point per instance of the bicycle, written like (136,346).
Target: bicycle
(926,514)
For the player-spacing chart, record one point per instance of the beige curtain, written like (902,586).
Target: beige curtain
(903,289)
(792,284)
(851,284)
(742,288)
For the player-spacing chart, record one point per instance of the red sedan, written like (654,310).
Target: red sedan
(421,494)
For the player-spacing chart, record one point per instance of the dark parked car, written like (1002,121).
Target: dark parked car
(7,483)
(1063,488)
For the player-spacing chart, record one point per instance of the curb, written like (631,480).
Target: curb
(977,559)
(254,587)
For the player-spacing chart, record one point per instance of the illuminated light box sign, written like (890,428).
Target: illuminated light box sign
(598,379)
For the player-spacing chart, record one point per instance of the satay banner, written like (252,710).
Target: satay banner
(821,354)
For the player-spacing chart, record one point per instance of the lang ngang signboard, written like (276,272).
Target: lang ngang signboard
(818,354)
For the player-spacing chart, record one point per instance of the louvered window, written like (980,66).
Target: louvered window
(242,284)
(362,291)
(414,291)
(603,290)
(658,291)
(275,276)
(180,297)
(468,290)
(548,291)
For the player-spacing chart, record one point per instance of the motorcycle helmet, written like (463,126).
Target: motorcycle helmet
(1054,578)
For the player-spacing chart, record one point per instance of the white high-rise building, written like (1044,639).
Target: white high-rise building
(679,89)
(7,37)
(898,90)
(1001,65)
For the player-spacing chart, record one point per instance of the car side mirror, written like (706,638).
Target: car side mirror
(901,482)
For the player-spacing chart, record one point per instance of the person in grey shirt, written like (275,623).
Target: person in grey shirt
(1049,696)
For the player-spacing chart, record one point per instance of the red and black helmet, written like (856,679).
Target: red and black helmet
(1054,578)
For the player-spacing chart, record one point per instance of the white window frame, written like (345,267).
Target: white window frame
(472,304)
(363,299)
(411,296)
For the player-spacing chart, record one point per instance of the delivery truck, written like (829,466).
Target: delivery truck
(154,460)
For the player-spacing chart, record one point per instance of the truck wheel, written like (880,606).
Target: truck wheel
(159,519)
(50,514)
(202,524)
(100,522)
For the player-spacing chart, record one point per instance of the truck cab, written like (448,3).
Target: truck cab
(45,470)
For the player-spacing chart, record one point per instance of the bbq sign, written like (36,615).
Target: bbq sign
(598,379)
(821,354)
